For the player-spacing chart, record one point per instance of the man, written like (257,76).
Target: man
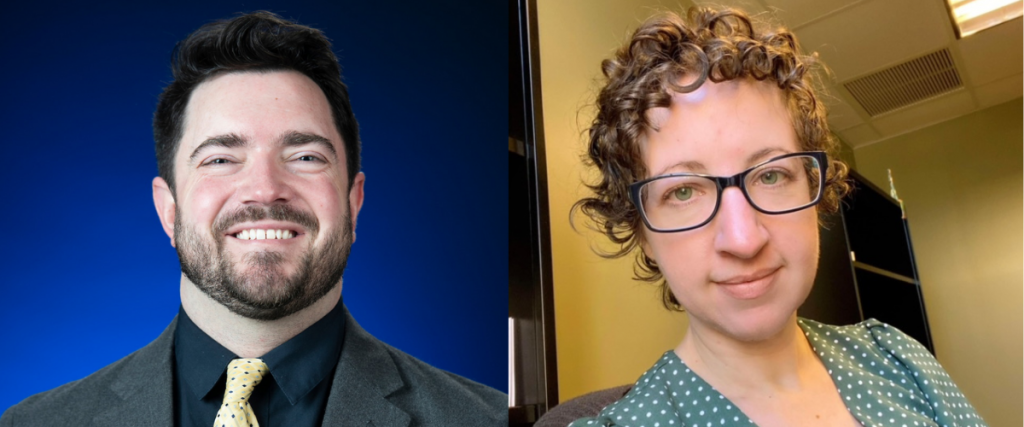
(259,192)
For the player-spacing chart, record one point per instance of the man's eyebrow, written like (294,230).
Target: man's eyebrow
(299,138)
(229,140)
(232,140)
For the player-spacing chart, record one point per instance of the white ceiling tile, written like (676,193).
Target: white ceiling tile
(994,53)
(927,113)
(999,91)
(841,115)
(859,135)
(876,34)
(799,12)
(752,8)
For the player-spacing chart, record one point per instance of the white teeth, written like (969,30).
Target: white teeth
(255,234)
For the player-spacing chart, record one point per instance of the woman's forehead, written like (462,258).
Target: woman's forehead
(742,96)
(718,120)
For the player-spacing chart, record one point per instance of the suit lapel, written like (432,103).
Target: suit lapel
(364,378)
(147,374)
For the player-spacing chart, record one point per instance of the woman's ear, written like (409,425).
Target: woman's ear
(645,246)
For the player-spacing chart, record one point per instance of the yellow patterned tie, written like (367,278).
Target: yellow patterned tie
(243,375)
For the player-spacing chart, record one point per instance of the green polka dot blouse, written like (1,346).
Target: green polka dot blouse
(885,377)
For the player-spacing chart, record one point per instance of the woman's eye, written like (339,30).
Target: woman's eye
(770,177)
(682,193)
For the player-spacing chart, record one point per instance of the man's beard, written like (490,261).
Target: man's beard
(264,292)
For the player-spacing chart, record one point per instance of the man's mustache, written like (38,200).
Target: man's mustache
(259,213)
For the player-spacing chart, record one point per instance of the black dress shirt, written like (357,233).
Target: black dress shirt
(293,394)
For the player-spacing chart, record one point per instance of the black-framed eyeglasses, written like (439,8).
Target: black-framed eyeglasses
(685,201)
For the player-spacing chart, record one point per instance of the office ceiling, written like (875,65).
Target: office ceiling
(856,39)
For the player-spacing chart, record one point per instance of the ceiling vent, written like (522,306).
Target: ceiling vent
(906,83)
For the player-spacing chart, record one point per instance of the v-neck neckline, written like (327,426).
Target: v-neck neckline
(830,367)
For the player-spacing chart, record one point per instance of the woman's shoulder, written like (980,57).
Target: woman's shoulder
(871,334)
(877,356)
(668,394)
(868,341)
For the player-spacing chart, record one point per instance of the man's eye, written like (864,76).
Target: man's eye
(218,161)
(310,159)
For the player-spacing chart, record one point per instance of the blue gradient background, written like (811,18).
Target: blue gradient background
(87,275)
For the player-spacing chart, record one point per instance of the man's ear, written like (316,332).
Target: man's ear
(355,200)
(163,199)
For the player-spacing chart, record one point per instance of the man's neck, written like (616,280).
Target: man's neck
(248,337)
(781,362)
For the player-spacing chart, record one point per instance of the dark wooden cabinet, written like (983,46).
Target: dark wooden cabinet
(867,268)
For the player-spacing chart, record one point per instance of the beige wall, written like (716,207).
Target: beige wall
(961,183)
(609,329)
(846,153)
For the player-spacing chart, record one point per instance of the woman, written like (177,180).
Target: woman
(716,162)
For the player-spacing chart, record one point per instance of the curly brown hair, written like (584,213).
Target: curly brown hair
(716,45)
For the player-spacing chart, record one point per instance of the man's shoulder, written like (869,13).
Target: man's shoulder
(371,371)
(79,402)
(440,391)
(422,375)
(71,403)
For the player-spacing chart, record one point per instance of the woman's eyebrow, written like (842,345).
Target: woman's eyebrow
(763,153)
(688,165)
(698,167)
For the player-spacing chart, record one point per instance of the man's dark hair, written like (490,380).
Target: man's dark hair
(260,41)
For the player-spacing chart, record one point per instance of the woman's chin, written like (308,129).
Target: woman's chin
(752,326)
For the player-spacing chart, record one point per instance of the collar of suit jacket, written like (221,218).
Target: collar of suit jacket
(363,379)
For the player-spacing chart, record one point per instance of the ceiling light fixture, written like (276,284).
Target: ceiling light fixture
(971,16)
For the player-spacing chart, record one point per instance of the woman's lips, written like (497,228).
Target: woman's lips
(749,289)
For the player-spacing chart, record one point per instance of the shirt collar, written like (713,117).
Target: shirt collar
(297,366)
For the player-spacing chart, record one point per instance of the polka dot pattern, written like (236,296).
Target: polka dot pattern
(243,376)
(885,378)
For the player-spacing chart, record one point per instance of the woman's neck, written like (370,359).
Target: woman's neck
(780,363)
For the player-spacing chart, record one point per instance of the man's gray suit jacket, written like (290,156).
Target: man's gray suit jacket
(374,384)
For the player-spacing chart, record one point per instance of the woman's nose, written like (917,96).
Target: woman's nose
(737,225)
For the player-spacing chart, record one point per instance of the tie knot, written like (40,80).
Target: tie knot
(243,375)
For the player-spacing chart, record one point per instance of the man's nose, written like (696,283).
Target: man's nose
(737,224)
(265,181)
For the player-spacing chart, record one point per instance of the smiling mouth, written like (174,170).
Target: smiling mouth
(740,280)
(748,287)
(265,234)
